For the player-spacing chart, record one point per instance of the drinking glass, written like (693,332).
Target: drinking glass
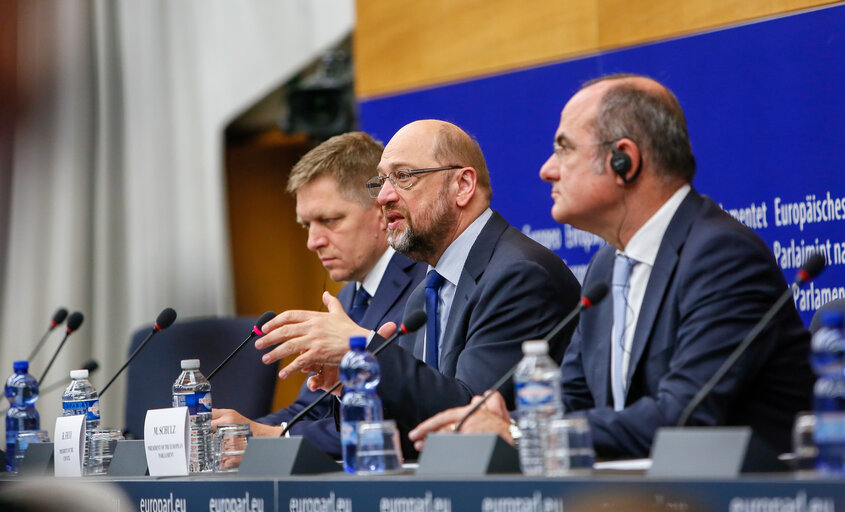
(229,445)
(570,446)
(102,442)
(378,448)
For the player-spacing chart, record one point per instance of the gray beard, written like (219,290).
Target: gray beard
(423,246)
(411,244)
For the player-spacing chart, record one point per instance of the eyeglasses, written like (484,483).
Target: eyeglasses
(402,178)
(562,149)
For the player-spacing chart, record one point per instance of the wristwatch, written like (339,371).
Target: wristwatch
(515,433)
(284,426)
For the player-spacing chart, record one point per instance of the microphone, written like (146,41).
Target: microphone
(256,332)
(593,296)
(413,321)
(811,268)
(73,323)
(58,317)
(90,365)
(164,320)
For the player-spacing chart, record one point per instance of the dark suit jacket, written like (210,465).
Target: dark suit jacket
(387,305)
(713,279)
(512,289)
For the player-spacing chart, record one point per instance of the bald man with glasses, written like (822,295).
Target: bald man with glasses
(488,286)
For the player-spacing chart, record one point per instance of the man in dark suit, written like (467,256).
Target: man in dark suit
(491,287)
(346,230)
(688,283)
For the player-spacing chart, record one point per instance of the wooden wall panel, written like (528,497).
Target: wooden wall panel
(273,269)
(405,44)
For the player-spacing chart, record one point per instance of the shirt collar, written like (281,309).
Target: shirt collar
(451,264)
(645,243)
(373,278)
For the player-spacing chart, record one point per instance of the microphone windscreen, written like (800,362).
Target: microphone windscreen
(812,267)
(91,366)
(59,316)
(74,321)
(414,320)
(266,317)
(596,294)
(165,319)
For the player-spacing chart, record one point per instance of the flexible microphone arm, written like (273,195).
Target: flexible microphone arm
(256,332)
(73,323)
(58,317)
(164,320)
(595,295)
(812,267)
(413,321)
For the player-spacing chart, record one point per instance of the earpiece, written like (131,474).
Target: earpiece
(620,162)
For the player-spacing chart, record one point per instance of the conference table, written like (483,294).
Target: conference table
(595,490)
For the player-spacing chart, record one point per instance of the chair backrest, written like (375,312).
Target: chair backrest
(817,317)
(245,384)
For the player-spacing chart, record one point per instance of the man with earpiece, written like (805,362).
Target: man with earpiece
(688,282)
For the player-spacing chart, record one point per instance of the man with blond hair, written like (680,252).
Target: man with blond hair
(346,230)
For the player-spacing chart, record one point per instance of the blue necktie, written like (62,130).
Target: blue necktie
(432,329)
(620,286)
(359,305)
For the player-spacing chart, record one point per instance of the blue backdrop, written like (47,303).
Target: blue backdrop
(766,114)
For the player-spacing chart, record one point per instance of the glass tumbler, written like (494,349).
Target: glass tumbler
(229,444)
(570,446)
(102,442)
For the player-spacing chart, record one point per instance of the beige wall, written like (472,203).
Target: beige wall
(405,44)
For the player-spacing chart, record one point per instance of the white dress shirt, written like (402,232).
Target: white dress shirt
(451,266)
(643,248)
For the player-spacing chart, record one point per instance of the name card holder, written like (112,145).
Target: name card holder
(68,445)
(37,460)
(710,452)
(285,456)
(129,459)
(467,454)
(167,441)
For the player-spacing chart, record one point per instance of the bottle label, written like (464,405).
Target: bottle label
(534,393)
(349,433)
(196,402)
(90,408)
(830,428)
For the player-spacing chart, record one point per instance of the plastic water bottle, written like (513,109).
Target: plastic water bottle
(828,348)
(537,383)
(360,374)
(192,390)
(22,392)
(80,397)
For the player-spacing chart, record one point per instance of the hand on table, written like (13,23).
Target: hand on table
(491,417)
(229,416)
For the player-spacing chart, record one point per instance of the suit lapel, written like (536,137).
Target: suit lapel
(415,342)
(596,343)
(454,338)
(393,283)
(347,295)
(661,275)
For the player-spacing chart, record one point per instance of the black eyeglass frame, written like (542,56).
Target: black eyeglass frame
(375,183)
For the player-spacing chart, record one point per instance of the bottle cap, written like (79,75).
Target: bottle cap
(833,318)
(190,364)
(21,366)
(78,374)
(535,347)
(357,342)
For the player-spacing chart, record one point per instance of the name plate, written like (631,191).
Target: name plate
(68,448)
(167,441)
